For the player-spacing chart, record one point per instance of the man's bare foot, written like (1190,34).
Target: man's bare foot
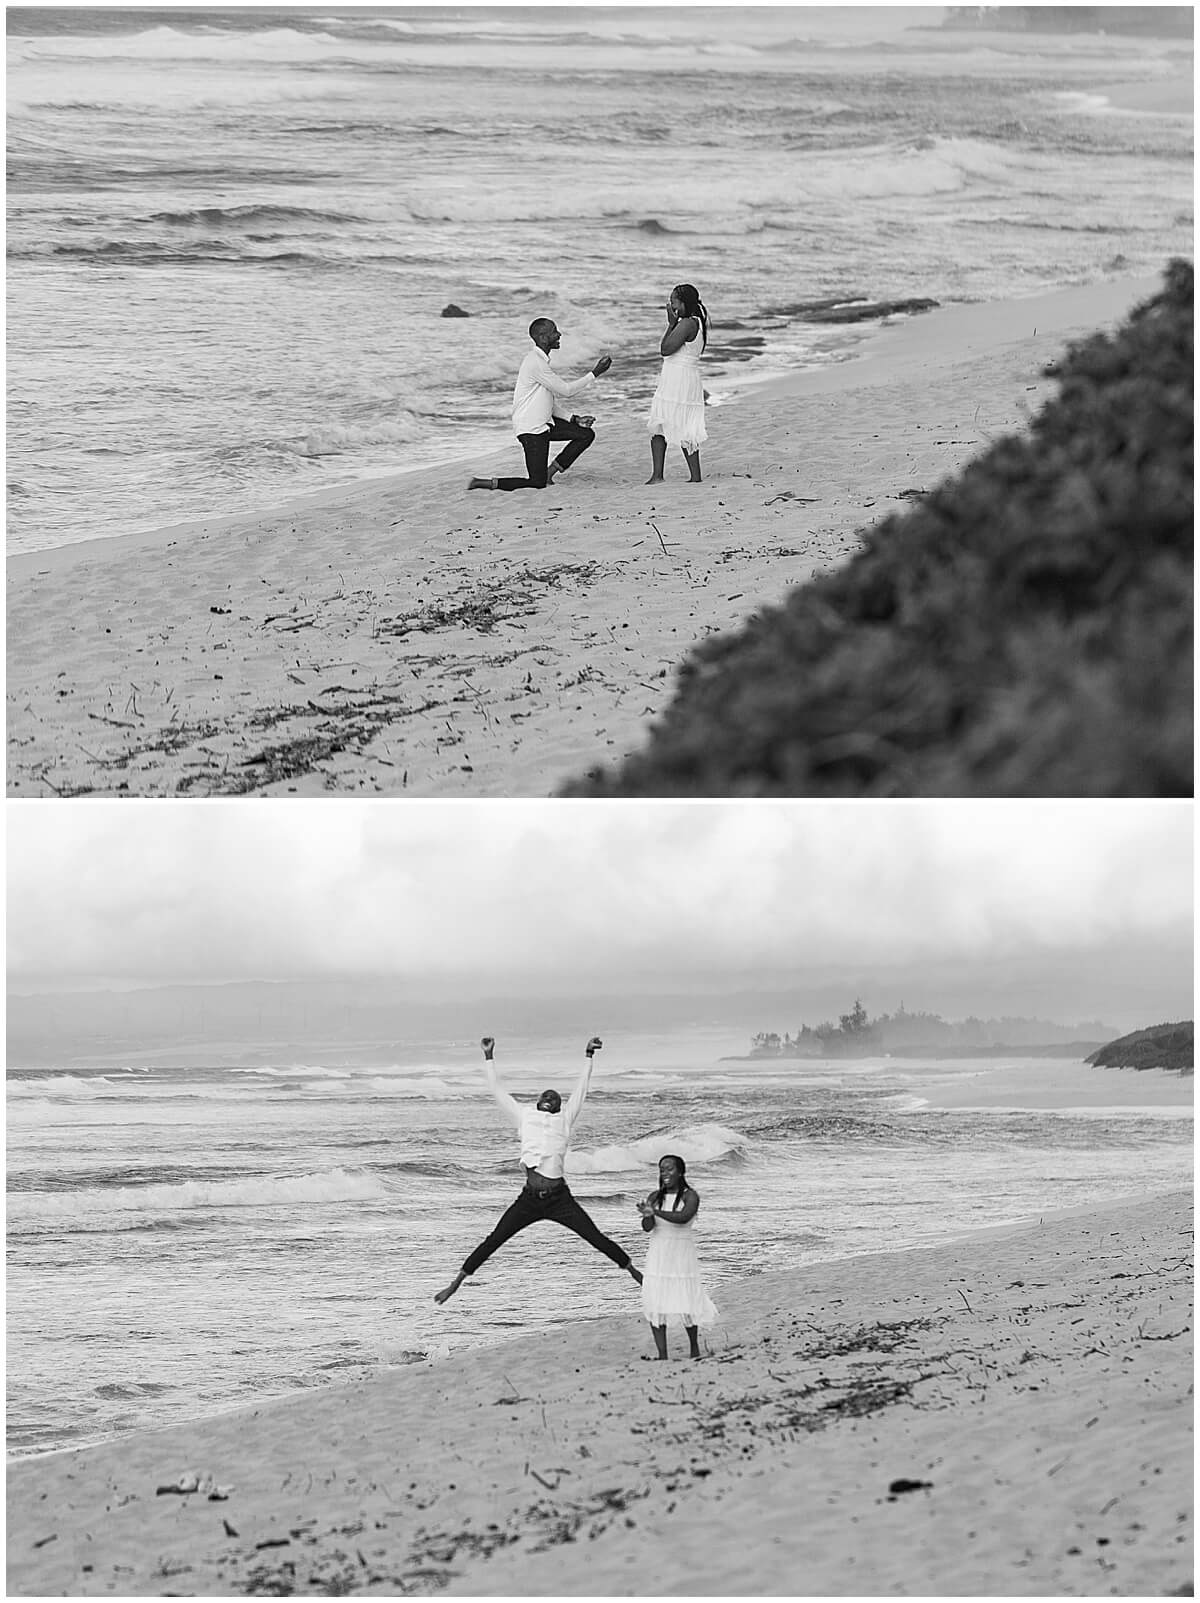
(696,480)
(655,478)
(448,1292)
(482,484)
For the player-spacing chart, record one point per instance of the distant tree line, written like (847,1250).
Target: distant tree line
(857,1035)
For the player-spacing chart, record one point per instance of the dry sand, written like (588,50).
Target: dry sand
(1008,1415)
(408,637)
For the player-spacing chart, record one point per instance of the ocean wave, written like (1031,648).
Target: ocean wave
(840,1127)
(55,1085)
(720,201)
(307,1190)
(71,1181)
(291,1071)
(241,216)
(162,44)
(335,438)
(699,1143)
(133,1390)
(433,1169)
(156,253)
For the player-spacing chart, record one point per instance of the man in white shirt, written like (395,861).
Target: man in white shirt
(538,416)
(545,1132)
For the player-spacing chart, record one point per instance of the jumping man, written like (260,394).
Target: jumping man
(545,1132)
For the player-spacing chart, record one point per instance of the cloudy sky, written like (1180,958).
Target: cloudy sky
(580,897)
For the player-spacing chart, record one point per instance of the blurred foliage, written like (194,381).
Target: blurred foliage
(1026,629)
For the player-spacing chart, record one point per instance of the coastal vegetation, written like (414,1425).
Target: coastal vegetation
(1023,629)
(1162,1046)
(858,1035)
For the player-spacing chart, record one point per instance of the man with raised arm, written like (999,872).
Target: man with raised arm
(540,416)
(545,1132)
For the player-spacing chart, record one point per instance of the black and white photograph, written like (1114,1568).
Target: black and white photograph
(531,1200)
(600,811)
(833,364)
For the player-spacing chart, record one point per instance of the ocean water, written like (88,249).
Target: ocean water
(231,235)
(184,1240)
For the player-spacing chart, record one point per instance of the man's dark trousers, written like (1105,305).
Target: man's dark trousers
(559,1206)
(537,452)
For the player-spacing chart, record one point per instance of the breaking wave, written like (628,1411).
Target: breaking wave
(308,1190)
(700,1143)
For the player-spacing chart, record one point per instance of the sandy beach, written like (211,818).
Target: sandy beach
(1005,1415)
(410,638)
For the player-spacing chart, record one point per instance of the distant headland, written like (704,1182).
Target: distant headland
(905,1034)
(1162,1046)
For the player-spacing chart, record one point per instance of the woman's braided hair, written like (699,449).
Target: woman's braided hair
(693,306)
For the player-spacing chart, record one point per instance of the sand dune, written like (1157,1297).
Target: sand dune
(1008,1415)
(411,638)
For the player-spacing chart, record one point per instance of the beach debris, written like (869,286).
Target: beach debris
(790,495)
(220,610)
(897,1487)
(196,1482)
(229,1530)
(454,311)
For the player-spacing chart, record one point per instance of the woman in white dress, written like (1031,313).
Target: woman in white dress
(672,1287)
(677,410)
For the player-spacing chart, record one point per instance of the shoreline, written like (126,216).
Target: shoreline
(893,343)
(1061,1344)
(960,1235)
(502,644)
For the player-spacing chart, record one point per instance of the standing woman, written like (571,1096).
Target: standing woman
(677,410)
(672,1288)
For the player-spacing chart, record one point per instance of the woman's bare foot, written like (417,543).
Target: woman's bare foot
(448,1292)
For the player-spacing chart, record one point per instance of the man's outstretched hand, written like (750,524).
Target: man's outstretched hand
(593,1045)
(487,1043)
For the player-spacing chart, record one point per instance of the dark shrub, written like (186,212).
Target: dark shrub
(1025,630)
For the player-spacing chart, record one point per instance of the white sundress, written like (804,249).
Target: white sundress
(672,1288)
(677,410)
